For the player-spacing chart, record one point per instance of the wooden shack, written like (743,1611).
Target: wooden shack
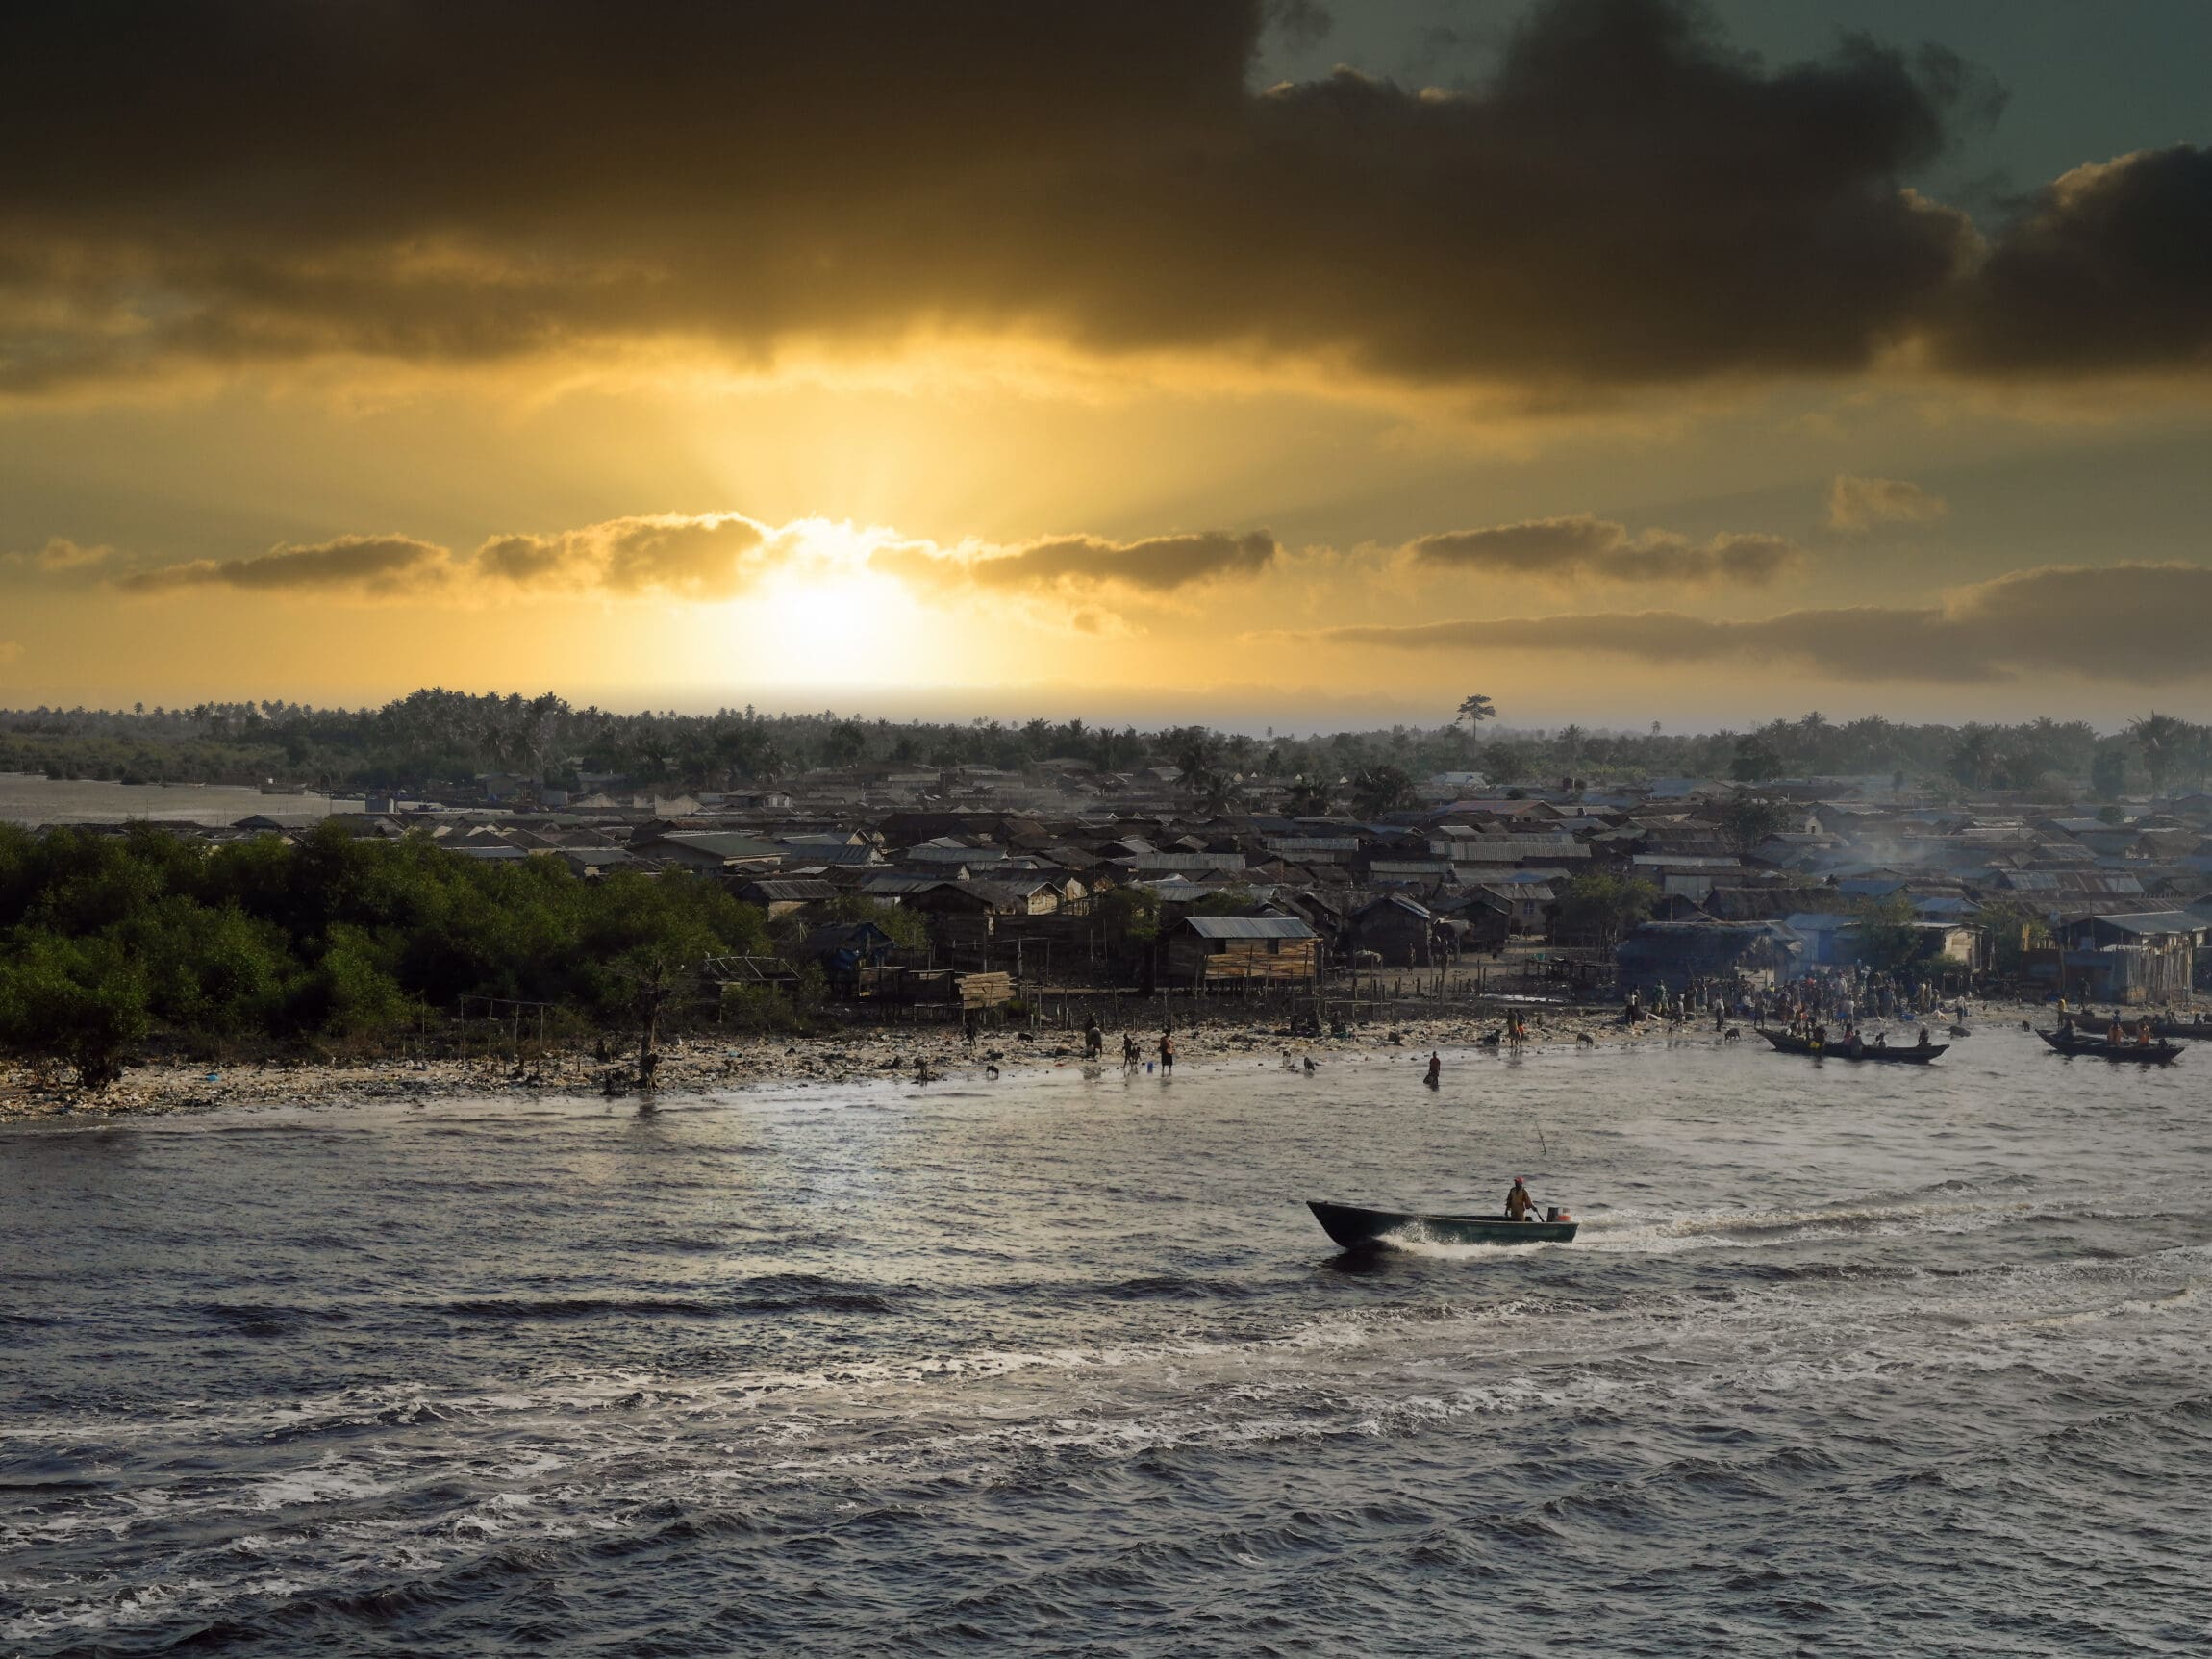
(1242,947)
(1400,931)
(936,988)
(2136,958)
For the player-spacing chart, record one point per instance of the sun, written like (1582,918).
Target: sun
(825,617)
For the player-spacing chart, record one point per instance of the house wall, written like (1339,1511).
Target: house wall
(2133,976)
(1400,940)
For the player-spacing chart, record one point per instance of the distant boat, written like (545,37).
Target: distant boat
(1355,1228)
(2184,1029)
(2129,1053)
(1903,1054)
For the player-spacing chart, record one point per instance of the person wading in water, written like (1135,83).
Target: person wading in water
(1166,1054)
(1435,1070)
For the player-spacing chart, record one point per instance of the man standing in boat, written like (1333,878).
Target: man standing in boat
(1518,1205)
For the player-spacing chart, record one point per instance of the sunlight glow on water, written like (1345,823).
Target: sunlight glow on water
(1839,1362)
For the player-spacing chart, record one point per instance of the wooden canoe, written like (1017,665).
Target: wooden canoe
(2129,1053)
(1355,1228)
(1901,1054)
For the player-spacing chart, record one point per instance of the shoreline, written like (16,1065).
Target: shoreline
(695,1068)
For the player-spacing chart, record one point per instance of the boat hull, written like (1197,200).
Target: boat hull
(1355,1228)
(1913,1055)
(2128,1053)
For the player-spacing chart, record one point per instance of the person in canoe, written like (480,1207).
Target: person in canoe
(1925,1042)
(1518,1205)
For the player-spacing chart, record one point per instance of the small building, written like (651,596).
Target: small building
(780,899)
(2144,958)
(708,850)
(591,863)
(1242,947)
(1402,931)
(843,949)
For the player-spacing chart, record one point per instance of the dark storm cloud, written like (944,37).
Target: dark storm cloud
(2135,624)
(378,564)
(1628,201)
(2109,268)
(1582,548)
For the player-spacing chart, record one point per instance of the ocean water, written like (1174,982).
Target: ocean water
(27,799)
(1845,1361)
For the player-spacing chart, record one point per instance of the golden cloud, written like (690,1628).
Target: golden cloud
(1857,504)
(2130,623)
(1582,548)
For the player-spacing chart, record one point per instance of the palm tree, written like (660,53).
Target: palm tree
(1309,798)
(2163,741)
(1974,755)
(1198,758)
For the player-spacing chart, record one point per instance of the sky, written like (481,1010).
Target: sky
(1259,362)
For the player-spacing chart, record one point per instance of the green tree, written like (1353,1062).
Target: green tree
(2013,929)
(908,929)
(1380,789)
(1309,797)
(1754,762)
(2108,770)
(2164,743)
(1887,938)
(1129,915)
(1506,760)
(1749,820)
(1473,712)
(80,1001)
(844,744)
(1205,776)
(1973,757)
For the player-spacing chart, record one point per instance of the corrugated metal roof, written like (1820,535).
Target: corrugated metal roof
(2149,922)
(1248,927)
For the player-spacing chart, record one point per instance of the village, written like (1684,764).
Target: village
(1062,890)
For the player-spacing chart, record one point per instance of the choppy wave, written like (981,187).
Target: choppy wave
(982,1373)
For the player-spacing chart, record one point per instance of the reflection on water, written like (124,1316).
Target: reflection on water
(27,799)
(1839,1361)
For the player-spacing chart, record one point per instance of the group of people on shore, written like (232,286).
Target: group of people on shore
(1840,995)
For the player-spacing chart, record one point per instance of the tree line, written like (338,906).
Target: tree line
(107,940)
(436,737)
